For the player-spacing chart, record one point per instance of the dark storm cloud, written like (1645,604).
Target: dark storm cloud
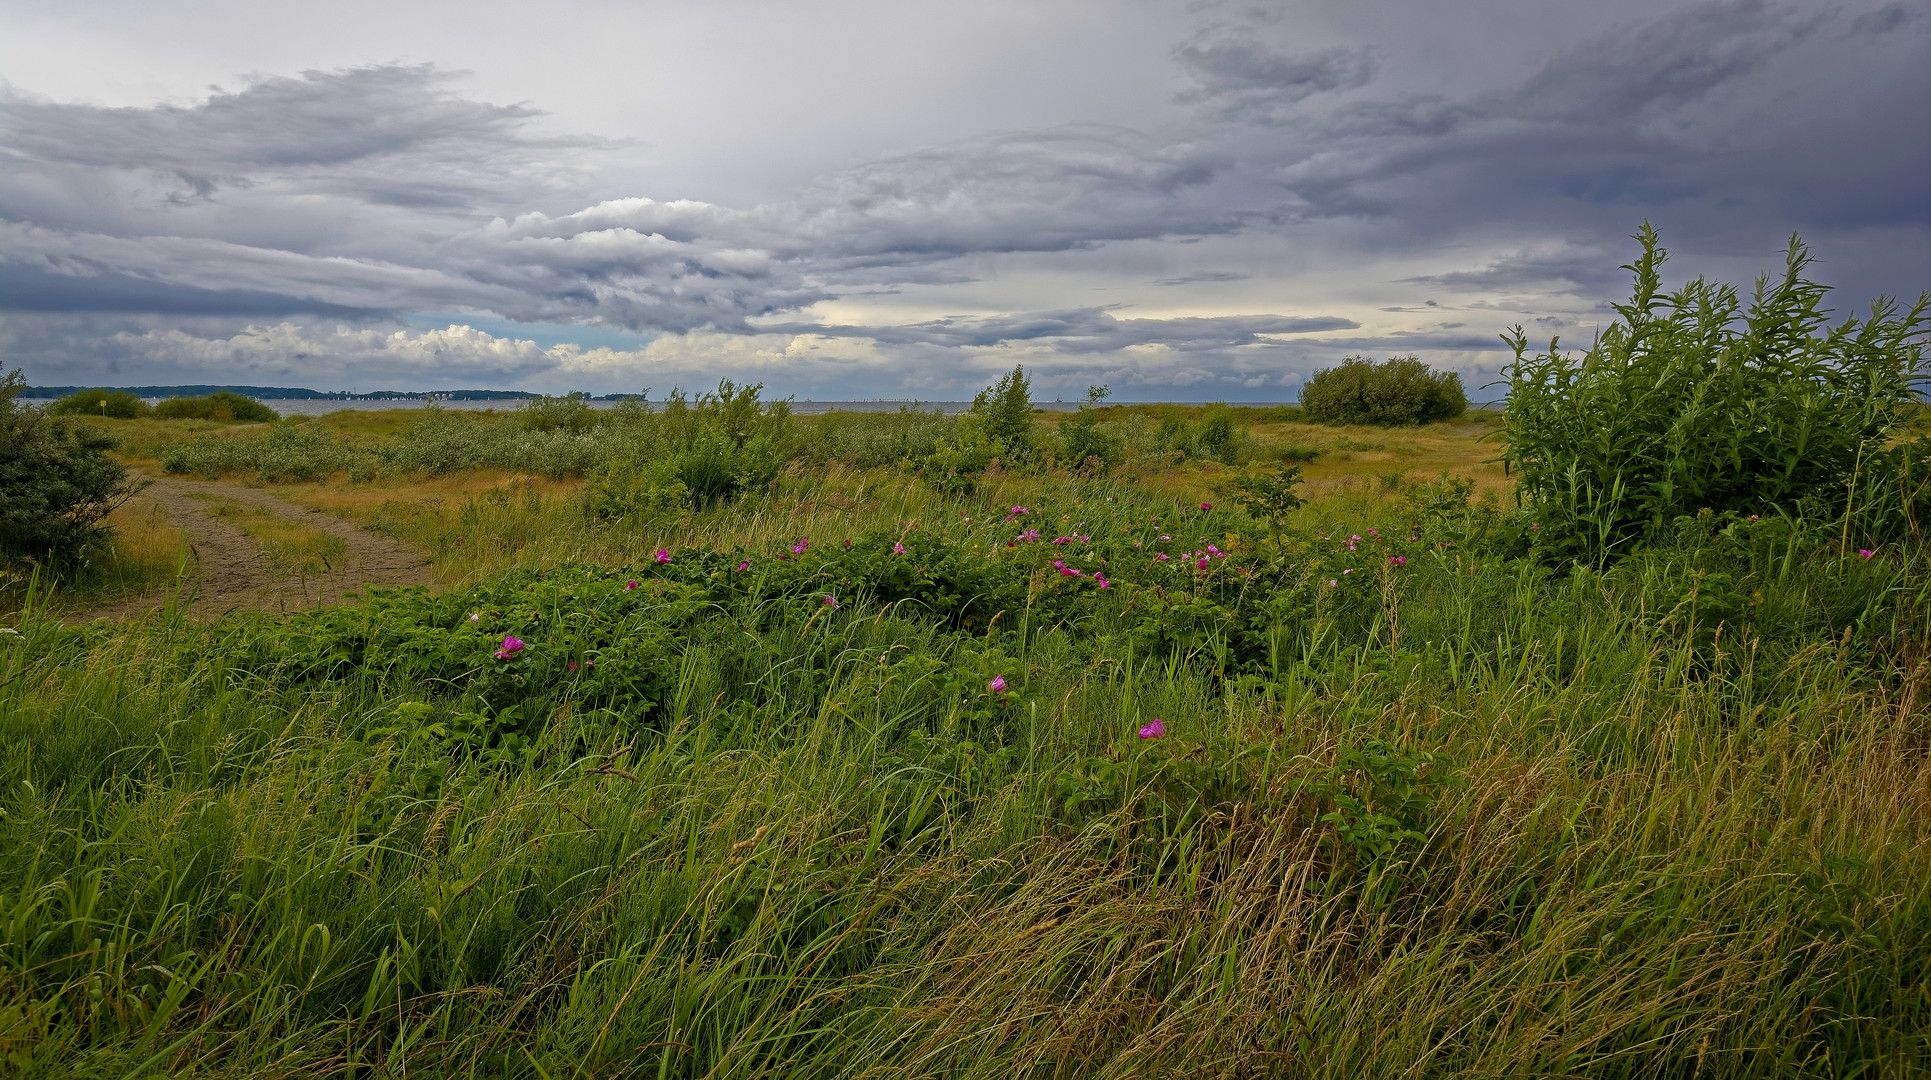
(1238,78)
(1089,330)
(1590,271)
(364,193)
(1669,64)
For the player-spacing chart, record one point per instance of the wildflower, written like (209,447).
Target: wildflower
(1398,560)
(1356,538)
(1136,543)
(997,685)
(898,548)
(1202,564)
(1101,580)
(1154,730)
(629,585)
(572,665)
(831,602)
(1020,510)
(662,556)
(743,566)
(1865,552)
(1345,573)
(511,646)
(1206,506)
(799,547)
(473,616)
(1161,556)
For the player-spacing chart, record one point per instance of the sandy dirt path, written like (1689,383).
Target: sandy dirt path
(232,573)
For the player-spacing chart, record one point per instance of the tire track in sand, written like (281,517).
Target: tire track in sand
(231,571)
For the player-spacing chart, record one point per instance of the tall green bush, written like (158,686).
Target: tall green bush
(1402,390)
(1690,402)
(118,404)
(999,426)
(1004,411)
(56,481)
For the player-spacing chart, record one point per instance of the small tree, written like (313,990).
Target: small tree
(1004,412)
(1402,390)
(56,481)
(1689,402)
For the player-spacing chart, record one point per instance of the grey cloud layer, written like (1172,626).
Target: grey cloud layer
(364,195)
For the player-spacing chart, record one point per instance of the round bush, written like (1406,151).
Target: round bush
(1401,390)
(220,405)
(118,404)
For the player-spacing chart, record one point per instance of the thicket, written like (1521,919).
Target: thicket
(115,404)
(222,405)
(1398,391)
(1690,402)
(57,482)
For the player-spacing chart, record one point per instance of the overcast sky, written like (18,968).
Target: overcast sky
(857,199)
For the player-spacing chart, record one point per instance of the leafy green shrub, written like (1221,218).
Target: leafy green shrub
(642,492)
(728,442)
(1401,390)
(1082,438)
(571,413)
(118,404)
(56,481)
(955,465)
(872,440)
(1689,402)
(999,426)
(1004,411)
(222,405)
(1384,798)
(1268,496)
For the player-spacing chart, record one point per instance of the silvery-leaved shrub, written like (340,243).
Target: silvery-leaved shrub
(1692,401)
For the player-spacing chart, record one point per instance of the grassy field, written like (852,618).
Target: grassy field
(1070,773)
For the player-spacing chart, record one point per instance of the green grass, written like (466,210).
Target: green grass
(1463,816)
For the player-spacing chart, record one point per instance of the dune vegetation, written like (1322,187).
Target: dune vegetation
(1135,741)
